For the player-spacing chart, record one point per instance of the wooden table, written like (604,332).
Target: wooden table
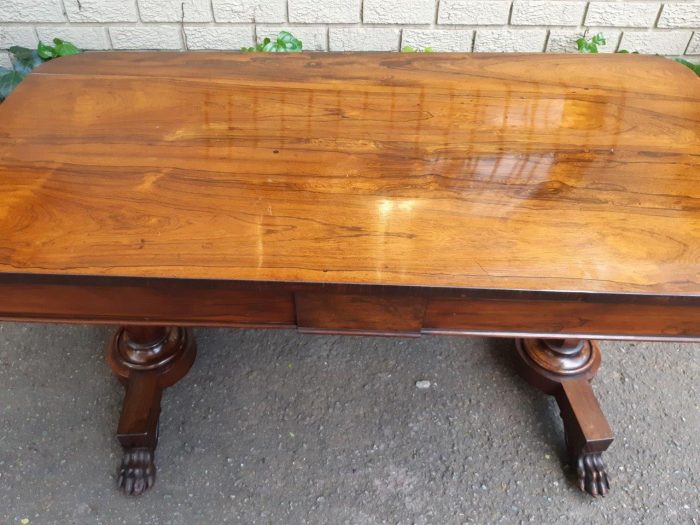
(550,198)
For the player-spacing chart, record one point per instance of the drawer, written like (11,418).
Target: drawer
(359,314)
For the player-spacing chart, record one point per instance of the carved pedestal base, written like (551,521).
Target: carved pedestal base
(564,368)
(146,359)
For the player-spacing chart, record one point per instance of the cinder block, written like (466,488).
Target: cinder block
(439,39)
(622,14)
(17,36)
(686,14)
(474,12)
(83,37)
(547,13)
(364,38)
(694,46)
(219,37)
(398,12)
(175,10)
(31,11)
(509,40)
(313,38)
(101,10)
(325,11)
(5,60)
(250,10)
(564,40)
(656,42)
(146,37)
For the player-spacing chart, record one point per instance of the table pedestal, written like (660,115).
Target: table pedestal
(146,359)
(564,368)
(149,359)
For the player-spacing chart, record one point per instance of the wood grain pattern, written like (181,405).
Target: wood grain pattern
(541,195)
(120,300)
(511,172)
(566,315)
(359,313)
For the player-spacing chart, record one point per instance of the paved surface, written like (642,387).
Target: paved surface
(274,427)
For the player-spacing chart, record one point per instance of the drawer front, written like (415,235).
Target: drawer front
(569,318)
(359,314)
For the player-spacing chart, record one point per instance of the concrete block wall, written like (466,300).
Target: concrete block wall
(669,28)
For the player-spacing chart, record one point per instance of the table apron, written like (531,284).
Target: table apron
(351,309)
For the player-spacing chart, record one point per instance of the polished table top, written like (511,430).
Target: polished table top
(534,172)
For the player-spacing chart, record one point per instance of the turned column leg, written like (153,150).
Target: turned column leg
(564,368)
(146,359)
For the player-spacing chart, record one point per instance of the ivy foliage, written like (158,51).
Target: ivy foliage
(285,42)
(25,59)
(585,45)
(411,49)
(9,80)
(590,45)
(61,48)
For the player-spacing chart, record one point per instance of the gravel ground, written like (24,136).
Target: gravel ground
(276,427)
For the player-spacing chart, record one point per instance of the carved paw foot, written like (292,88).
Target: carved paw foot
(592,474)
(137,472)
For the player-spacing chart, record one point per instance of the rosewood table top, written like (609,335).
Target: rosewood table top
(508,172)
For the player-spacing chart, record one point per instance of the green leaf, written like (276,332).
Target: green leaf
(25,59)
(284,43)
(598,40)
(64,49)
(46,52)
(582,45)
(268,46)
(286,37)
(21,53)
(288,42)
(590,46)
(9,81)
(411,49)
